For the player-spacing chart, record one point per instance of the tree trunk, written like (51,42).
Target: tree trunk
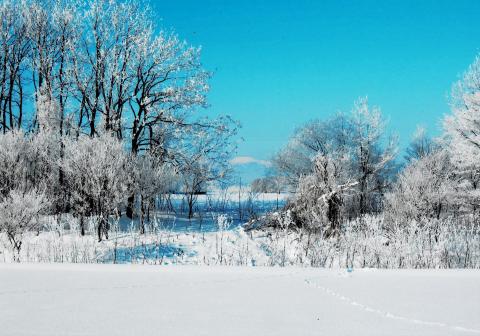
(190,206)
(82,225)
(131,198)
(129,210)
(142,216)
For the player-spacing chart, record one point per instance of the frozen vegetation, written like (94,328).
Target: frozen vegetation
(220,240)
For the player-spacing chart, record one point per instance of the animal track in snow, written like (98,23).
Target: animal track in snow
(385,314)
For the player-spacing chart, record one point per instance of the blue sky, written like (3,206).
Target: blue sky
(278,64)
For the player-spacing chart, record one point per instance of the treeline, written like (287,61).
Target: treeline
(99,114)
(350,186)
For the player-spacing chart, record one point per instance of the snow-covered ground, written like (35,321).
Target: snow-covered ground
(54,299)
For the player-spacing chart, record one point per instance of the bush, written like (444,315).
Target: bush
(19,213)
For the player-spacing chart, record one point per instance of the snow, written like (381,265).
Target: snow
(75,299)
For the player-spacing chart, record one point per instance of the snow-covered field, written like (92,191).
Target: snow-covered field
(54,299)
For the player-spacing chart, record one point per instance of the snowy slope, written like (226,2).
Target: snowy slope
(153,300)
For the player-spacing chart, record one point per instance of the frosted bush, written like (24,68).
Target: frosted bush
(19,213)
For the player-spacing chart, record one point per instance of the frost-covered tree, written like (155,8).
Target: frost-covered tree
(346,152)
(111,32)
(268,184)
(462,127)
(138,78)
(14,55)
(373,156)
(467,85)
(462,131)
(53,31)
(48,113)
(48,149)
(70,67)
(100,60)
(421,145)
(133,74)
(316,137)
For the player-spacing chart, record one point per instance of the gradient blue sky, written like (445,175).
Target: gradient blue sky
(278,64)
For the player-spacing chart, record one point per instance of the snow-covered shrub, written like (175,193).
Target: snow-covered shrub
(16,162)
(98,174)
(151,178)
(368,242)
(223,222)
(19,214)
(319,197)
(424,190)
